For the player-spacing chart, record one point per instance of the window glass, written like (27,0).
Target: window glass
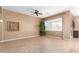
(54,25)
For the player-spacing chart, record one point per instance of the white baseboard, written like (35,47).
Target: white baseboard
(18,38)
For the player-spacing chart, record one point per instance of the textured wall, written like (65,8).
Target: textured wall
(0,31)
(67,26)
(28,25)
(76,19)
(0,24)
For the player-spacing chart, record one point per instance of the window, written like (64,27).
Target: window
(54,25)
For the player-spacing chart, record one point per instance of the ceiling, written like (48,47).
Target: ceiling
(46,10)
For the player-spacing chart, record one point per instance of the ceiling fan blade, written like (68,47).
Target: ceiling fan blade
(40,13)
(34,14)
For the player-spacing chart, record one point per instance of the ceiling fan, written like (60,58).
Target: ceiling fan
(37,13)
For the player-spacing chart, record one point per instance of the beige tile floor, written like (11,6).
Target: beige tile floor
(46,44)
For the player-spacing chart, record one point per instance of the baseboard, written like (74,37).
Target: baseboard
(19,38)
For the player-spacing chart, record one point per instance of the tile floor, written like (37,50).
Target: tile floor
(46,44)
